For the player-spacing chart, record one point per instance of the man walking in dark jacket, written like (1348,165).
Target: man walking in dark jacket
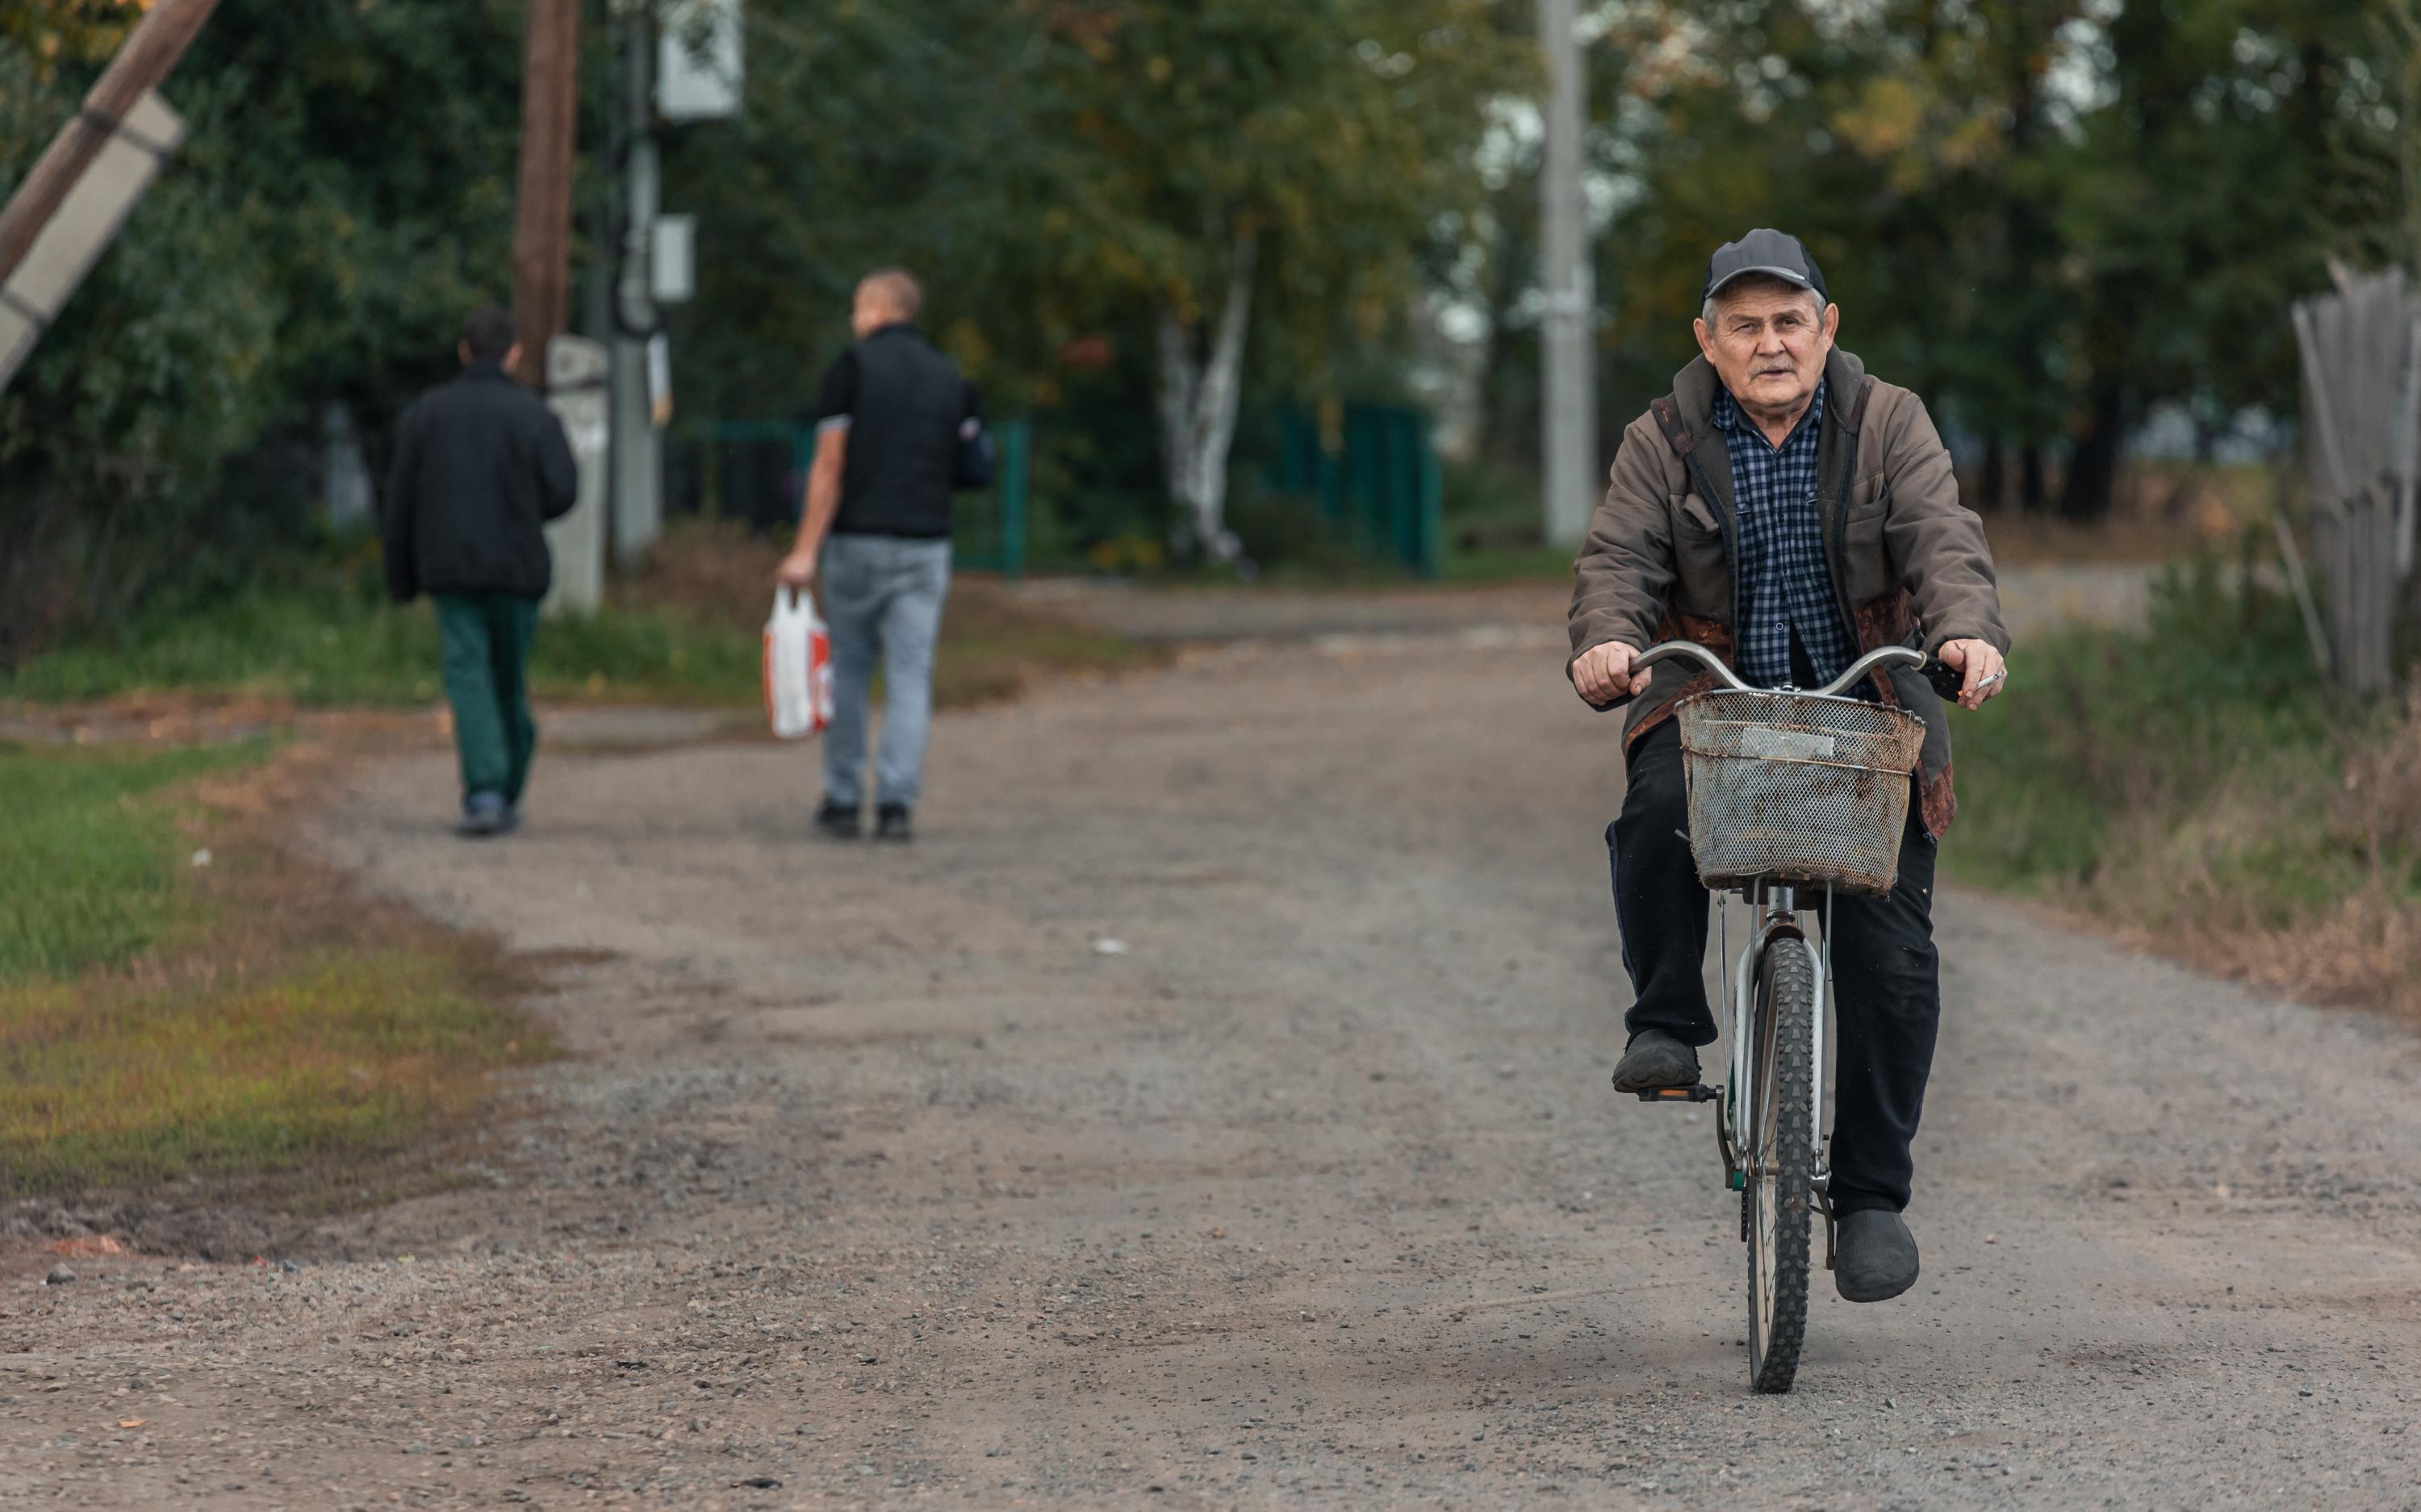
(480,465)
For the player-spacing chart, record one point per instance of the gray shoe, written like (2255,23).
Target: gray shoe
(1656,1058)
(483,815)
(1876,1259)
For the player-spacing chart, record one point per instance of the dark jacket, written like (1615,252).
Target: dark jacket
(903,403)
(1909,562)
(480,465)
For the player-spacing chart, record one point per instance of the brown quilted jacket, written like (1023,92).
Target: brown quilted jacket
(1909,563)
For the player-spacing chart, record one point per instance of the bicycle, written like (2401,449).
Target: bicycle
(1788,790)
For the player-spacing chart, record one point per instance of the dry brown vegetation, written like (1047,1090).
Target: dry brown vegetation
(2163,512)
(2195,788)
(993,643)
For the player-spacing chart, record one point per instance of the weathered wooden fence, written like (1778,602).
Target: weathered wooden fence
(2362,447)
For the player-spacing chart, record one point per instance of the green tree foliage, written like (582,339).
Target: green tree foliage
(2044,215)
(1081,178)
(2047,215)
(345,196)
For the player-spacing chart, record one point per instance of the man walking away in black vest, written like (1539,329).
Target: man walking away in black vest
(893,417)
(480,465)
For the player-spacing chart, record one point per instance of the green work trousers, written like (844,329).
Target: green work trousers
(484,645)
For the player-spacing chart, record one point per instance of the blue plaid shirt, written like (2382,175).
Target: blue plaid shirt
(1785,586)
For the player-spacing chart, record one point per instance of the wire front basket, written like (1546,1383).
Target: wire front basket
(1795,788)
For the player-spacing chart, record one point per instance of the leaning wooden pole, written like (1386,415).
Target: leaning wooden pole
(150,53)
(542,225)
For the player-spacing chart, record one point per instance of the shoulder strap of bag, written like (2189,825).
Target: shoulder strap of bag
(1668,419)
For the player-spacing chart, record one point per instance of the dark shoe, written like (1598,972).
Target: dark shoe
(483,815)
(1876,1259)
(837,821)
(891,823)
(1656,1058)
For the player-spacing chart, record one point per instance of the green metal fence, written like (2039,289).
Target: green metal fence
(1373,470)
(1370,469)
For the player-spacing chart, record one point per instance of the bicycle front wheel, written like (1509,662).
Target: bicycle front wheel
(1779,1197)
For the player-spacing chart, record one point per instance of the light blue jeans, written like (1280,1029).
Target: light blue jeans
(882,595)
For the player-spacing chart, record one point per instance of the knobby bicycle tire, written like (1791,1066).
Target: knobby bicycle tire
(1782,1164)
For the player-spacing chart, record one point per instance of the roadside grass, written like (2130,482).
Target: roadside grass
(329,637)
(87,876)
(686,630)
(253,1021)
(2194,786)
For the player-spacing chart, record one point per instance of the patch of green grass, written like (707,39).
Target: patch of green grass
(249,1019)
(330,638)
(88,863)
(685,633)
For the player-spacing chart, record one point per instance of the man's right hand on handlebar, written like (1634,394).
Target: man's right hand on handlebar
(1602,674)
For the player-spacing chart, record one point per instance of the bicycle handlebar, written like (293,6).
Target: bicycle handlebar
(1881,656)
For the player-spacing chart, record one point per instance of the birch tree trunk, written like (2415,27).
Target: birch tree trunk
(1198,400)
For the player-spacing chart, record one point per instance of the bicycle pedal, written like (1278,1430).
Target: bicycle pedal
(1677,1094)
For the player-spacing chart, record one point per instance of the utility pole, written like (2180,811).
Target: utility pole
(637,465)
(570,371)
(152,50)
(1568,356)
(542,223)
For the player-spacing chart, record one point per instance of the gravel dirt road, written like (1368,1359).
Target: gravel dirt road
(1210,1110)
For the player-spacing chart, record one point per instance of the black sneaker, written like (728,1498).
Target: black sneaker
(837,821)
(1654,1059)
(891,823)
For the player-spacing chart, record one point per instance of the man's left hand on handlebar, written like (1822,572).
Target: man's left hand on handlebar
(1982,668)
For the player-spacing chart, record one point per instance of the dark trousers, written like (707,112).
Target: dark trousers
(483,647)
(1886,977)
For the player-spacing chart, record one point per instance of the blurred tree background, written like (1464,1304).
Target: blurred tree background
(2054,218)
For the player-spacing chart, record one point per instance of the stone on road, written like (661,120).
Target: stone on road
(877,1177)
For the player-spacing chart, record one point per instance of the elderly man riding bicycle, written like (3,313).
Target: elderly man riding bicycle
(1787,510)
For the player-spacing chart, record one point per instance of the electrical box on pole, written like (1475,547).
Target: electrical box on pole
(698,66)
(576,392)
(673,271)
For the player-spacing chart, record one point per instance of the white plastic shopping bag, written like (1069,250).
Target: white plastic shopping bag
(798,667)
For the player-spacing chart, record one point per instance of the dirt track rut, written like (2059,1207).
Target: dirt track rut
(885,1176)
